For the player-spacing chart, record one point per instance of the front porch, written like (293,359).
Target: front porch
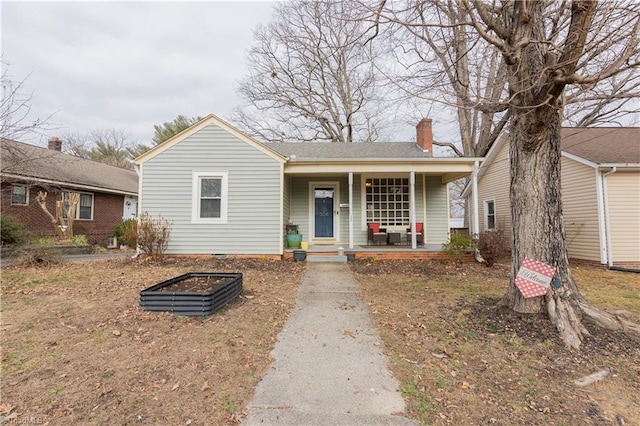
(425,252)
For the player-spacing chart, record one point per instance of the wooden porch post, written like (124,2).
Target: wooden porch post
(474,191)
(412,208)
(350,210)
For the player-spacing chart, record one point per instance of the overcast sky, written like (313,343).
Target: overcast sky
(128,65)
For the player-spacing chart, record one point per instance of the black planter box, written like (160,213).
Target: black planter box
(191,303)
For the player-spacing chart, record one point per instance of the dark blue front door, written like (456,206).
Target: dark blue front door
(323,201)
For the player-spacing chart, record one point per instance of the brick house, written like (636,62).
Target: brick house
(107,194)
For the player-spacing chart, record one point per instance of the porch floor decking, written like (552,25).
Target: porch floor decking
(427,251)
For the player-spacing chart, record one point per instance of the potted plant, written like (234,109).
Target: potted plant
(293,237)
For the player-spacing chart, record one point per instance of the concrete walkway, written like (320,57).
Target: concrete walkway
(329,367)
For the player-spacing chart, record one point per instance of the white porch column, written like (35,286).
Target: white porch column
(350,210)
(474,189)
(412,208)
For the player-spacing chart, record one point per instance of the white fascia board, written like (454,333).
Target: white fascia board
(380,167)
(619,165)
(579,159)
(493,151)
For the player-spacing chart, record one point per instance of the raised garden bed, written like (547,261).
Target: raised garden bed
(192,294)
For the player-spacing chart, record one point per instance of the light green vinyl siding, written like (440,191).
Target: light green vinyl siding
(254,215)
(437,223)
(286,200)
(580,210)
(300,205)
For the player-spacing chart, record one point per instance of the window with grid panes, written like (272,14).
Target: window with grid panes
(387,201)
(84,209)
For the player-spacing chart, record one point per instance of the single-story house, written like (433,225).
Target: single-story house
(107,194)
(600,178)
(226,193)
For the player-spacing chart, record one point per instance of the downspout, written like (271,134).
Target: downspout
(474,190)
(138,169)
(350,210)
(607,220)
(412,209)
(602,231)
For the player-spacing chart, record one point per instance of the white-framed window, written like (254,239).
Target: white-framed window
(19,195)
(84,209)
(489,215)
(209,197)
(387,201)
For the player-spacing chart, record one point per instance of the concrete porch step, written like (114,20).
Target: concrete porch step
(325,258)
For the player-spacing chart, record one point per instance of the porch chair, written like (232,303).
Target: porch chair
(375,234)
(419,233)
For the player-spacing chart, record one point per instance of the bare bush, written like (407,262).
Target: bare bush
(153,235)
(493,245)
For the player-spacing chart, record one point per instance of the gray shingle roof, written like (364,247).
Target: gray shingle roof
(32,162)
(328,150)
(603,145)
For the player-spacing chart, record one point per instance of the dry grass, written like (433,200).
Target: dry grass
(460,361)
(610,290)
(76,348)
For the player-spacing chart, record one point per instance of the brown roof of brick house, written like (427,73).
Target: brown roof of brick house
(28,162)
(603,145)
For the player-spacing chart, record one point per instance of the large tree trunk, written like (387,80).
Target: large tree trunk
(536,211)
(536,204)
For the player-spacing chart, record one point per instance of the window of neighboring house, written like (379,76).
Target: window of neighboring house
(19,195)
(387,201)
(209,197)
(489,215)
(84,209)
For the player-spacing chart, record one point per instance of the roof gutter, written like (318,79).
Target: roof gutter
(70,185)
(305,160)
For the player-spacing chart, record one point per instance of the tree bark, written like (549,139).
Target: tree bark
(535,191)
(41,199)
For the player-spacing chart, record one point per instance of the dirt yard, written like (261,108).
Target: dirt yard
(461,361)
(77,349)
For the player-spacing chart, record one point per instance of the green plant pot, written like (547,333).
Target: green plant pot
(294,240)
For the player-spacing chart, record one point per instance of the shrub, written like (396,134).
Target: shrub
(153,235)
(127,232)
(97,249)
(44,241)
(79,240)
(459,244)
(493,245)
(12,231)
(38,256)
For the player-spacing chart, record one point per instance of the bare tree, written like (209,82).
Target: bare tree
(546,49)
(312,78)
(15,108)
(110,146)
(445,61)
(64,216)
(15,123)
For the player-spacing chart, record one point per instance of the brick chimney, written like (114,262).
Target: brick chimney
(424,135)
(55,144)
